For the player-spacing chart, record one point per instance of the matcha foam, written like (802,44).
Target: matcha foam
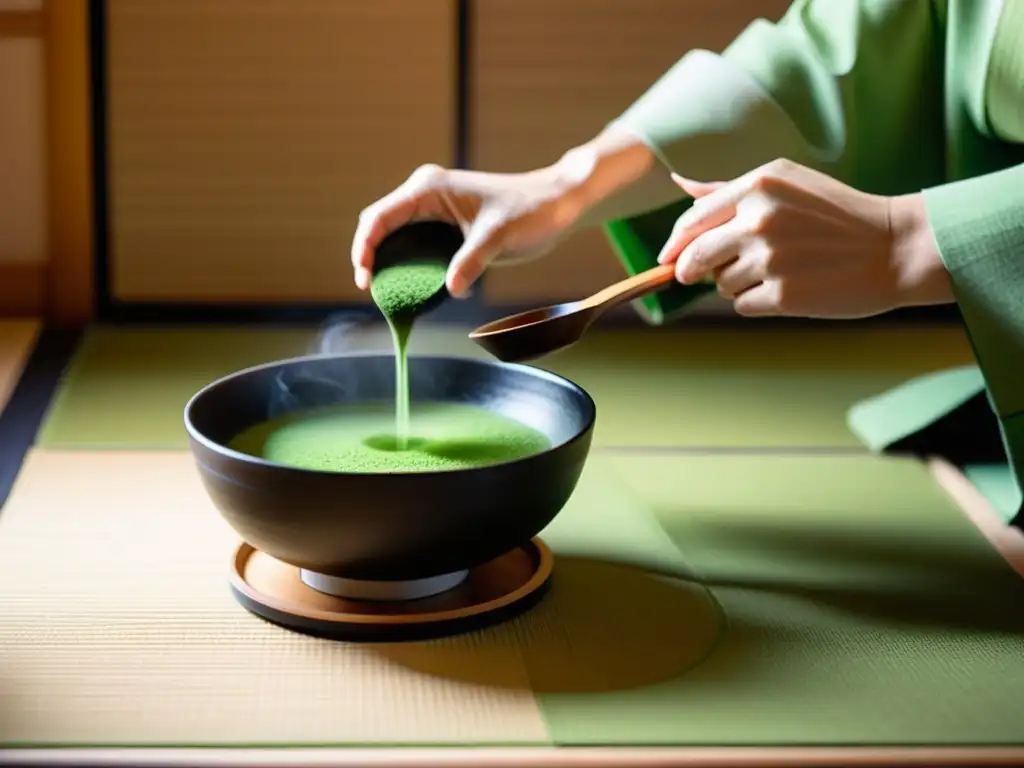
(358,439)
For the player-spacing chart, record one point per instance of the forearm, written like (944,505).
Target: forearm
(706,118)
(614,175)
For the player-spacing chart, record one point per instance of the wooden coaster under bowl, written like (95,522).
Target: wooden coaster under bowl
(488,594)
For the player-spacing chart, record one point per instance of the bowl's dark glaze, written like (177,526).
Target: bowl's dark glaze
(398,526)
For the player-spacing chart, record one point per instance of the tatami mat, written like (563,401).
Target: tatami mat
(860,607)
(119,627)
(654,387)
(746,388)
(127,387)
(16,339)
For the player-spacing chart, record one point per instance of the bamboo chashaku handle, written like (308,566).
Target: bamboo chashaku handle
(631,288)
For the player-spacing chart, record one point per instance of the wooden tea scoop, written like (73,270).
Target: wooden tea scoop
(537,332)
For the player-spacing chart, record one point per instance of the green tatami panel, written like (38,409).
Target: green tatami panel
(748,389)
(127,387)
(861,608)
(671,387)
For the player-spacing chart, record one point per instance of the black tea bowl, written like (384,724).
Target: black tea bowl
(395,526)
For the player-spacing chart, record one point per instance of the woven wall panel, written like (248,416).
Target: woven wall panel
(549,75)
(246,136)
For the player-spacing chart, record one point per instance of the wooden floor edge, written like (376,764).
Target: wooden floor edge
(507,757)
(1006,539)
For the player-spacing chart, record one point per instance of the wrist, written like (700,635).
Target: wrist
(921,275)
(593,172)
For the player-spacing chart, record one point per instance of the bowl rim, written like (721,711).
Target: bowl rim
(195,434)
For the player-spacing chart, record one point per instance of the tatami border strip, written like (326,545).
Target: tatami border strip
(507,757)
(736,450)
(28,403)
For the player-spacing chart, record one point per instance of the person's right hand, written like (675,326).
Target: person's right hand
(506,217)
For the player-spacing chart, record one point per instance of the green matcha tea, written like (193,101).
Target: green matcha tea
(359,439)
(401,292)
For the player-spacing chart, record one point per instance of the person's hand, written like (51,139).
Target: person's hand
(787,240)
(513,217)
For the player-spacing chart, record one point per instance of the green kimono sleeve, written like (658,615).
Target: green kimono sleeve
(850,87)
(978,225)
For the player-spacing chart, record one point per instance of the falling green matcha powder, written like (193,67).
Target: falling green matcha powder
(402,293)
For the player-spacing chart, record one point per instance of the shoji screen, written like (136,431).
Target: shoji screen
(547,74)
(246,135)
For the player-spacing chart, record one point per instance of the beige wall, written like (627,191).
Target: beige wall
(23,173)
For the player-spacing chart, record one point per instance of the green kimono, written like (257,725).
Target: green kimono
(891,97)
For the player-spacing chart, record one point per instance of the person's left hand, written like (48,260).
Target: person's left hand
(787,240)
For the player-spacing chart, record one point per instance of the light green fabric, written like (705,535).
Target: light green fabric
(979,227)
(1004,94)
(904,410)
(888,96)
